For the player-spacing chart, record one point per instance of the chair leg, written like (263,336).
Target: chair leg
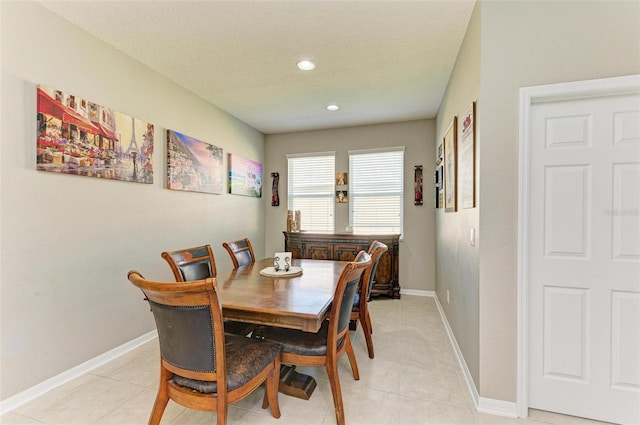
(336,392)
(367,336)
(271,391)
(162,398)
(222,414)
(368,319)
(352,357)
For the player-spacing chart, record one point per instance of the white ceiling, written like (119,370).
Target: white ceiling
(381,61)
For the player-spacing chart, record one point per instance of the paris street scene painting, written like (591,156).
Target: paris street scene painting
(77,136)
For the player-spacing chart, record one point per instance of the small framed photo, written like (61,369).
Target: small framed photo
(342,196)
(342,179)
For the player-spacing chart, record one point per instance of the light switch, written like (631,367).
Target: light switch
(472,237)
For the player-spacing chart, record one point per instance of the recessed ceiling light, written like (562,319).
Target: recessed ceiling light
(306,65)
(333,107)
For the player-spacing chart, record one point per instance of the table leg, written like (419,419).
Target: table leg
(296,384)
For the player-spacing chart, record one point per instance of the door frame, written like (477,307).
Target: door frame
(528,97)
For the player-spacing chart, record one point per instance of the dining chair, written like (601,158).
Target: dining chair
(199,263)
(360,310)
(241,252)
(328,345)
(201,367)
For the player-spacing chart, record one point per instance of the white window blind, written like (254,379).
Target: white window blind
(311,181)
(376,190)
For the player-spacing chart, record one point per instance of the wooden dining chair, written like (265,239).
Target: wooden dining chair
(241,252)
(360,310)
(201,367)
(191,263)
(199,263)
(328,345)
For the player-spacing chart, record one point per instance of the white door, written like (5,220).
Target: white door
(583,255)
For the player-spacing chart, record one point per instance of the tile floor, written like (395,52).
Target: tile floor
(414,379)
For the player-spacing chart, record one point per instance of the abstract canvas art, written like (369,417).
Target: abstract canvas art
(245,176)
(193,165)
(77,136)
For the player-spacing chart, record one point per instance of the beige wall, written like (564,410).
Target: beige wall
(417,248)
(457,268)
(67,242)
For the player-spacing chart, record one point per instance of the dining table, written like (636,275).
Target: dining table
(296,301)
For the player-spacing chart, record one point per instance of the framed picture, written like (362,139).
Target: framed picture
(417,185)
(77,136)
(342,196)
(245,176)
(466,149)
(437,179)
(275,196)
(193,165)
(450,168)
(342,179)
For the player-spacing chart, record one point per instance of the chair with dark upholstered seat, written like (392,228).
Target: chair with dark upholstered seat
(360,311)
(191,263)
(201,367)
(241,252)
(199,263)
(326,347)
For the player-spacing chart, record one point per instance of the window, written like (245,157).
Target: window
(311,190)
(376,190)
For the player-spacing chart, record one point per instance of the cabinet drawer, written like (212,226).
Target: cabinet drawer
(347,252)
(318,251)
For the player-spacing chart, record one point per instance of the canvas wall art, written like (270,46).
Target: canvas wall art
(467,154)
(450,168)
(245,176)
(193,165)
(77,136)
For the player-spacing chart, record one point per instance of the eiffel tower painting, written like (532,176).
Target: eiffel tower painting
(71,139)
(133,149)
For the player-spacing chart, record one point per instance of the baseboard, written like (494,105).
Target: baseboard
(497,407)
(482,404)
(456,348)
(66,376)
(418,292)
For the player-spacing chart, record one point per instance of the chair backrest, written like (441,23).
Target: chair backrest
(188,318)
(191,263)
(376,249)
(344,294)
(241,252)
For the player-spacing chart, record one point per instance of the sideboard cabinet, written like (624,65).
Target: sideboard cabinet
(345,247)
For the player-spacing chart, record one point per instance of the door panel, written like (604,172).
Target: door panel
(626,226)
(566,332)
(566,211)
(625,340)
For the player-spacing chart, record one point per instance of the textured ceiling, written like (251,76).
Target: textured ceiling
(381,61)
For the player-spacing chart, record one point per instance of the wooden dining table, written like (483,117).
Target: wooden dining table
(298,302)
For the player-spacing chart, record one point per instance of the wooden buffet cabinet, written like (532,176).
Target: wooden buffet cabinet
(345,247)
